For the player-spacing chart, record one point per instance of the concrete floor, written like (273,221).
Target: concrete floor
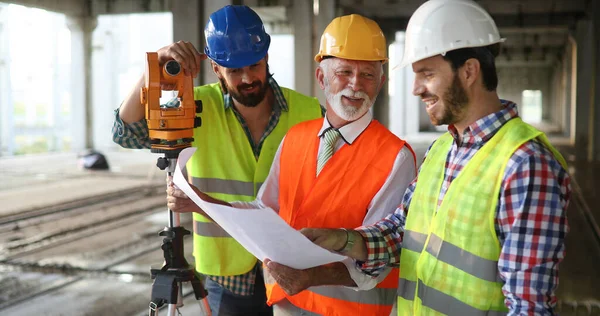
(35,181)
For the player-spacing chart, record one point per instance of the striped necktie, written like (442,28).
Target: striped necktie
(329,139)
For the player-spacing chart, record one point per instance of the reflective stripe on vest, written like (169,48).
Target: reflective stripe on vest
(209,229)
(444,251)
(374,296)
(440,301)
(285,307)
(233,187)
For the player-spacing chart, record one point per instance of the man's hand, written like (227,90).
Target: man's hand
(185,54)
(178,201)
(292,281)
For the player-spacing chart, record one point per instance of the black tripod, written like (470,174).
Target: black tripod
(167,285)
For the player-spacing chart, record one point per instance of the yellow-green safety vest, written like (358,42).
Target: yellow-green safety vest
(224,167)
(450,253)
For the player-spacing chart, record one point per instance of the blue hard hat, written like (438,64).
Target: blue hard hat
(236,37)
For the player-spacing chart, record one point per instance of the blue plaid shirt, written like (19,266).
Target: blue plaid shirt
(135,135)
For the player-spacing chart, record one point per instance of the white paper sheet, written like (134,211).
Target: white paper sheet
(261,231)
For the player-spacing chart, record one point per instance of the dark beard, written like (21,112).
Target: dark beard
(455,101)
(249,100)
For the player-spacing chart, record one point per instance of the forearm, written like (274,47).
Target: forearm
(380,244)
(210,199)
(331,274)
(132,109)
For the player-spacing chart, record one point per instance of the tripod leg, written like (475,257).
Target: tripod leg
(165,289)
(201,295)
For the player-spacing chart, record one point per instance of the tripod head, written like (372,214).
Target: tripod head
(171,125)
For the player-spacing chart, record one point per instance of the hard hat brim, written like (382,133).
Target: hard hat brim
(319,58)
(410,62)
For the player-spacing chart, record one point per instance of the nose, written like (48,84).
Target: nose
(418,88)
(355,83)
(247,77)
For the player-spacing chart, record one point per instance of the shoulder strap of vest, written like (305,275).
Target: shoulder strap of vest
(517,121)
(290,94)
(441,144)
(210,95)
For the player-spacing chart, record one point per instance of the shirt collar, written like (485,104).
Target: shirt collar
(280,101)
(350,131)
(487,126)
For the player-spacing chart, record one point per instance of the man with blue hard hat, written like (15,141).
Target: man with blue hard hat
(245,116)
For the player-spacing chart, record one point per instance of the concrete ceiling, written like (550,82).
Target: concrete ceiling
(537,31)
(508,12)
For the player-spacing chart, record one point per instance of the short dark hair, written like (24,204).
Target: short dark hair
(486,56)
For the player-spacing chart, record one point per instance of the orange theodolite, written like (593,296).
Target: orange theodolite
(171,129)
(170,126)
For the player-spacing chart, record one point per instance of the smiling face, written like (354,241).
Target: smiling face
(350,86)
(441,90)
(248,86)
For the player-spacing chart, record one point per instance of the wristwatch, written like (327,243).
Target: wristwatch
(349,242)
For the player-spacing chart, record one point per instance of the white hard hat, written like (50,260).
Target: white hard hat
(439,26)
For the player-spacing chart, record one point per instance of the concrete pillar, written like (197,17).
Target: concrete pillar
(381,108)
(587,142)
(585,75)
(304,68)
(558,89)
(570,111)
(568,86)
(207,8)
(594,131)
(58,82)
(188,25)
(326,13)
(7,140)
(81,58)
(404,108)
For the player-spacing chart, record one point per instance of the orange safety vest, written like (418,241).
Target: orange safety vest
(338,197)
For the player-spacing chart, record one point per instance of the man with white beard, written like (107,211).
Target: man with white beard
(344,170)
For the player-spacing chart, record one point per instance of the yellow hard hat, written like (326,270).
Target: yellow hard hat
(353,37)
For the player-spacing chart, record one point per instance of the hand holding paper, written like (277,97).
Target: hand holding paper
(261,231)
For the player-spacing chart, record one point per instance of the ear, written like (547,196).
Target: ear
(320,75)
(383,79)
(216,70)
(267,58)
(471,71)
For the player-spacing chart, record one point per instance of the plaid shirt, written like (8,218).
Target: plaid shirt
(135,135)
(531,221)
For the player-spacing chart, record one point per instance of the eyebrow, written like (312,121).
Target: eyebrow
(423,69)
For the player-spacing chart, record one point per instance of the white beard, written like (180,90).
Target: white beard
(348,112)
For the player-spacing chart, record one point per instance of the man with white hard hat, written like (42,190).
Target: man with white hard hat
(481,230)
